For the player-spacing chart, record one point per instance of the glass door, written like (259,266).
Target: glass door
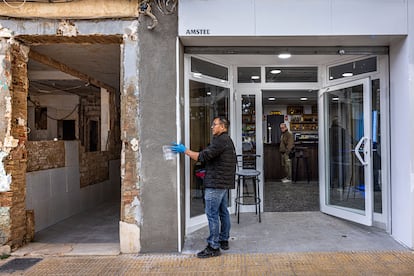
(207,95)
(346,188)
(249,139)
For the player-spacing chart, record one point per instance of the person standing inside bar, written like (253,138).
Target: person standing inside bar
(220,163)
(286,147)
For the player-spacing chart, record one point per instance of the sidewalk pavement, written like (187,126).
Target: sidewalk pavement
(314,263)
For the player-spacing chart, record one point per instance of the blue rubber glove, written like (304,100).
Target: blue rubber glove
(178,148)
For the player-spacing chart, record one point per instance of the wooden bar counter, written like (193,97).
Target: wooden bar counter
(273,169)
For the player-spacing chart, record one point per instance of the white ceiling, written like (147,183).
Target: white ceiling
(99,61)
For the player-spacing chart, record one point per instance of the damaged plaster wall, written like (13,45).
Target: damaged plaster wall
(13,135)
(73,10)
(5,112)
(12,215)
(7,142)
(131,213)
(149,186)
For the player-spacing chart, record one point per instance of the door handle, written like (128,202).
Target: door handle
(366,151)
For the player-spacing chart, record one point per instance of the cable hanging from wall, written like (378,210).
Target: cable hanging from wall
(50,117)
(166,7)
(38,89)
(14,6)
(8,2)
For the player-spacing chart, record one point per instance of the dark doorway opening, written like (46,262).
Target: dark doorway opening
(67,130)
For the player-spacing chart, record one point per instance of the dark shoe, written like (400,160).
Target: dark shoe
(209,252)
(224,245)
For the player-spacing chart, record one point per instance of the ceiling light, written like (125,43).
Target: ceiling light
(303,99)
(197,75)
(330,77)
(284,55)
(347,74)
(208,93)
(276,71)
(271,99)
(335,99)
(255,77)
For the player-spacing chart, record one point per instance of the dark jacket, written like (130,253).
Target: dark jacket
(220,162)
(286,142)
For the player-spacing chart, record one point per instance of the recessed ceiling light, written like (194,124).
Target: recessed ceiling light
(275,71)
(271,99)
(335,99)
(255,77)
(208,93)
(303,99)
(347,74)
(197,75)
(284,55)
(330,77)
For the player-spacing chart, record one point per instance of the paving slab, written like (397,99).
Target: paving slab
(296,263)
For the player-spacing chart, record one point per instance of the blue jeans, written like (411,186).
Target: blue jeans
(216,211)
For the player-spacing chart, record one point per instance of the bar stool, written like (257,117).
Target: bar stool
(301,156)
(246,170)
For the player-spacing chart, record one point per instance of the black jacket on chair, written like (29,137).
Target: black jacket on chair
(220,162)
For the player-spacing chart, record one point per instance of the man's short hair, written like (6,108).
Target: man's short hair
(224,121)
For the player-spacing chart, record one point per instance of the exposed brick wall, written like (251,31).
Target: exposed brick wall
(130,164)
(93,167)
(114,137)
(15,163)
(43,155)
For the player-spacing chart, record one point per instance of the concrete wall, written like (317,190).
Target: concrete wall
(410,39)
(55,194)
(157,81)
(402,135)
(401,143)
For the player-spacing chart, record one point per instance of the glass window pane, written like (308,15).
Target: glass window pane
(346,127)
(353,68)
(376,145)
(248,75)
(291,74)
(206,102)
(209,69)
(248,124)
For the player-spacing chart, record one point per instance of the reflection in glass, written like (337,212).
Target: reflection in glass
(376,145)
(206,68)
(248,75)
(353,68)
(291,74)
(248,124)
(346,127)
(206,102)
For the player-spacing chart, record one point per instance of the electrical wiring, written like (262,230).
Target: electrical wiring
(166,6)
(54,90)
(63,118)
(14,7)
